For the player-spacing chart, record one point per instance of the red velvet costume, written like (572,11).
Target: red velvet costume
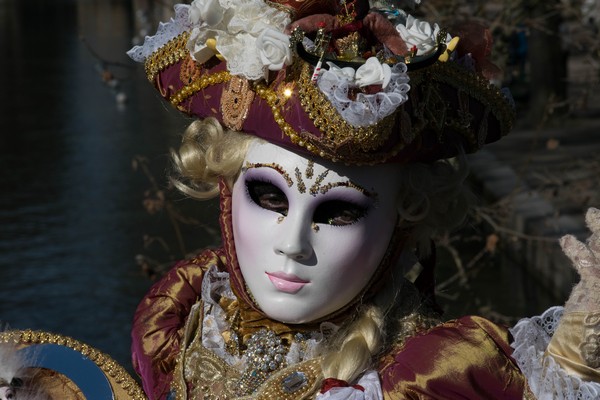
(467,358)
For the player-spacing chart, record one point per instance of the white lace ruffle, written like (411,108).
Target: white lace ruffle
(367,109)
(165,32)
(215,284)
(546,378)
(236,35)
(369,381)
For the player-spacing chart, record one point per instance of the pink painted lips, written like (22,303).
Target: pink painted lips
(286,283)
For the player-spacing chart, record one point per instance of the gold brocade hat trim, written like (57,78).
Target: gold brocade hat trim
(171,53)
(430,110)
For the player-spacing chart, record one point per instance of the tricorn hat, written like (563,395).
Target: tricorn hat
(337,79)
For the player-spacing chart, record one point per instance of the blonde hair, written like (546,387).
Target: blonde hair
(207,154)
(351,351)
(393,315)
(432,199)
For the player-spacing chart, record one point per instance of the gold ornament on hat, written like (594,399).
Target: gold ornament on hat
(236,100)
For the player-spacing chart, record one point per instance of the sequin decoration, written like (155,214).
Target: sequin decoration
(310,169)
(265,354)
(325,188)
(314,189)
(301,184)
(274,166)
(235,102)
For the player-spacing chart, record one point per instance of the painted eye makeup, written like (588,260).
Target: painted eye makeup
(268,196)
(339,213)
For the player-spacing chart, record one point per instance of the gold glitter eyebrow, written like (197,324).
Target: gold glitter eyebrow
(325,188)
(274,166)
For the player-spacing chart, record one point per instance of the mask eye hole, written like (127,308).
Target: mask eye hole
(268,196)
(339,213)
(9,394)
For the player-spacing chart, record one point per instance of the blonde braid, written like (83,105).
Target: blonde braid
(360,343)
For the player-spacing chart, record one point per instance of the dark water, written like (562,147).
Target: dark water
(71,215)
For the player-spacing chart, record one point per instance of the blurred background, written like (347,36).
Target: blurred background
(88,220)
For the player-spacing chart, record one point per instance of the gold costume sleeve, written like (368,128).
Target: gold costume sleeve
(159,320)
(468,358)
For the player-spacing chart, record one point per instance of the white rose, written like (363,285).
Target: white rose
(346,73)
(372,72)
(419,34)
(197,44)
(207,11)
(274,49)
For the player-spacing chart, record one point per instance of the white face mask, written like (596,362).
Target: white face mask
(308,235)
(7,393)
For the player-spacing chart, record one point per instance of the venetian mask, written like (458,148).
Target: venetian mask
(309,234)
(7,393)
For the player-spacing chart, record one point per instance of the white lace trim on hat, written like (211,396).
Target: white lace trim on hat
(166,31)
(247,33)
(547,379)
(366,109)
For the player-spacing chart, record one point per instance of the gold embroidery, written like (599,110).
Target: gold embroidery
(590,346)
(235,102)
(190,71)
(171,53)
(337,133)
(208,377)
(211,377)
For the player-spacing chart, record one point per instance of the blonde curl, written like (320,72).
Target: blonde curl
(207,154)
